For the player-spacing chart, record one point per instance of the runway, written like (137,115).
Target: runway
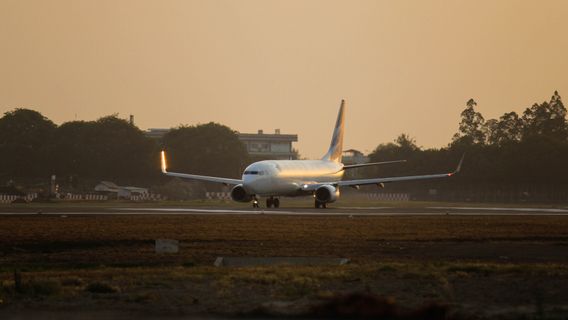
(361,211)
(334,211)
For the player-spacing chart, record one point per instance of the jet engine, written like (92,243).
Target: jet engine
(327,194)
(239,194)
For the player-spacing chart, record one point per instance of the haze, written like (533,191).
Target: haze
(402,66)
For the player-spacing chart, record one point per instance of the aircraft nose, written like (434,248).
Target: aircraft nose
(248,183)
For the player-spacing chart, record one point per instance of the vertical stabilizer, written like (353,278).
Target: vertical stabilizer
(336,147)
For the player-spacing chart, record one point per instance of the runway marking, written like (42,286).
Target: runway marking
(504,209)
(192,210)
(363,208)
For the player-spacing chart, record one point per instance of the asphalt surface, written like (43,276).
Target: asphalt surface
(334,211)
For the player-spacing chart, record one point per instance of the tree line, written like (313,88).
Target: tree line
(516,157)
(82,153)
(516,154)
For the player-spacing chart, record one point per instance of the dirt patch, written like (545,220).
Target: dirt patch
(504,267)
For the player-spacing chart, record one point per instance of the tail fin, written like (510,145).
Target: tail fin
(336,147)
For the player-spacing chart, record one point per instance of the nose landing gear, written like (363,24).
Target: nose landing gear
(255,203)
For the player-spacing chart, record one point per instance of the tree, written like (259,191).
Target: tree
(208,149)
(109,148)
(403,148)
(471,128)
(406,143)
(506,130)
(25,137)
(546,119)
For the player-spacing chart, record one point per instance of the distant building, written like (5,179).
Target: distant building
(353,156)
(274,145)
(263,145)
(156,133)
(120,192)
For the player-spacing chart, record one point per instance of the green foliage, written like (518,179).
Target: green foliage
(520,156)
(208,149)
(107,149)
(82,153)
(508,129)
(546,119)
(471,128)
(25,137)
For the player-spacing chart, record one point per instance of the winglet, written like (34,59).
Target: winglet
(459,166)
(164,170)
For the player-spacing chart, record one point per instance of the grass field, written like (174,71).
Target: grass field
(487,266)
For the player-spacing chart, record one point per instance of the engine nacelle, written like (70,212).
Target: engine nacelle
(239,194)
(327,194)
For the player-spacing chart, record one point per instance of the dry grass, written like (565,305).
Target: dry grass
(93,228)
(193,290)
(458,260)
(124,240)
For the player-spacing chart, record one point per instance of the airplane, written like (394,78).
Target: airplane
(321,179)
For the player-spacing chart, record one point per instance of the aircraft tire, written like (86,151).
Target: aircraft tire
(269,202)
(276,203)
(320,205)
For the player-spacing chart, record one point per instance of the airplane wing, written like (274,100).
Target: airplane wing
(226,181)
(378,181)
(353,166)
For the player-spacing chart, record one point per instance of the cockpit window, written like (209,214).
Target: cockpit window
(260,173)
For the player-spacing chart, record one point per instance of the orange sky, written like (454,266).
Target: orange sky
(402,66)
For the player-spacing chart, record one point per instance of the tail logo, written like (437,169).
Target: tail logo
(336,147)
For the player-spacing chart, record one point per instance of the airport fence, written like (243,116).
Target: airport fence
(495,194)
(379,196)
(6,198)
(147,197)
(82,197)
(218,195)
(370,196)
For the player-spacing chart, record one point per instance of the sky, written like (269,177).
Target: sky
(402,66)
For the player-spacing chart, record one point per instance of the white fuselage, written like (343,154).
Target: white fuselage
(287,177)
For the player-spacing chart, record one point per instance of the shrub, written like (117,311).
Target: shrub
(100,287)
(41,287)
(72,282)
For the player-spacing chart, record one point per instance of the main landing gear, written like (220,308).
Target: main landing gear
(272,202)
(319,204)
